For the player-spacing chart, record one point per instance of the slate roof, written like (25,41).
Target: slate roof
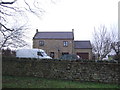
(54,35)
(82,45)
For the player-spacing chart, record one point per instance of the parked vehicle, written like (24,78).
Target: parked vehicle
(70,57)
(109,61)
(32,53)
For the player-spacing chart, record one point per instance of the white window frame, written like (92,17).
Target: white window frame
(65,43)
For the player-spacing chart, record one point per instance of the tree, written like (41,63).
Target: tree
(101,42)
(115,44)
(14,11)
(8,53)
(116,47)
(13,37)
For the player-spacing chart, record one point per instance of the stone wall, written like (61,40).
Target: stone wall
(66,70)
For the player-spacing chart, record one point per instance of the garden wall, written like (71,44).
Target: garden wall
(67,70)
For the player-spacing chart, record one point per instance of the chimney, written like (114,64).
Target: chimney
(73,33)
(73,30)
(36,30)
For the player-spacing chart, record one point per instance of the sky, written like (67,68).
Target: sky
(80,15)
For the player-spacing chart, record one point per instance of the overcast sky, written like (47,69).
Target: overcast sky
(80,15)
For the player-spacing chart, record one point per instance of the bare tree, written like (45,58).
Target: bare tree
(13,37)
(116,47)
(115,44)
(101,42)
(12,11)
(10,8)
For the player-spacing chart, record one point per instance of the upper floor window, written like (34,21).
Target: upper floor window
(65,43)
(41,43)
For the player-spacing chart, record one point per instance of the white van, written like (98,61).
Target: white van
(32,53)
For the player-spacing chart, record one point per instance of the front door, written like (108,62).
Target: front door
(52,54)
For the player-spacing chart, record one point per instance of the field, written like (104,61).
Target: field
(35,82)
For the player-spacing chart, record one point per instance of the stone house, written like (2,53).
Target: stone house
(83,49)
(56,44)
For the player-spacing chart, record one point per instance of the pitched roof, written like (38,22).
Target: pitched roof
(82,45)
(54,35)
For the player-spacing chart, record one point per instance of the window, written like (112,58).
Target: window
(41,43)
(39,54)
(52,54)
(65,43)
(65,53)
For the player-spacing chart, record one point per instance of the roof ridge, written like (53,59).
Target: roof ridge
(54,32)
(81,40)
(54,35)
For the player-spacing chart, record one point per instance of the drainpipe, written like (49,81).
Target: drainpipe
(73,42)
(58,53)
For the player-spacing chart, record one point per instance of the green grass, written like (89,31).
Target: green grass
(35,82)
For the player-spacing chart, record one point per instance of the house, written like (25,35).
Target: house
(83,49)
(60,43)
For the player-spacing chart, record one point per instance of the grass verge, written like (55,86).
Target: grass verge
(35,82)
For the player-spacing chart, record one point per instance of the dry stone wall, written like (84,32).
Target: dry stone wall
(66,70)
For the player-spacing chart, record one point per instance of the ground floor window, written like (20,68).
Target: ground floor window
(65,53)
(52,54)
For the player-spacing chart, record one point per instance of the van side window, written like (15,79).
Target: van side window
(39,54)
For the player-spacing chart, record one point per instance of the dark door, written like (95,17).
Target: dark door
(83,55)
(52,54)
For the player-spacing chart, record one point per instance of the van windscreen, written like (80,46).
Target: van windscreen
(40,54)
(44,54)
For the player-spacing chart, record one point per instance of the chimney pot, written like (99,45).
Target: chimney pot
(36,30)
(73,30)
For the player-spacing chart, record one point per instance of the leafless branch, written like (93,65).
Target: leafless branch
(13,37)
(7,29)
(101,42)
(10,10)
(1,3)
